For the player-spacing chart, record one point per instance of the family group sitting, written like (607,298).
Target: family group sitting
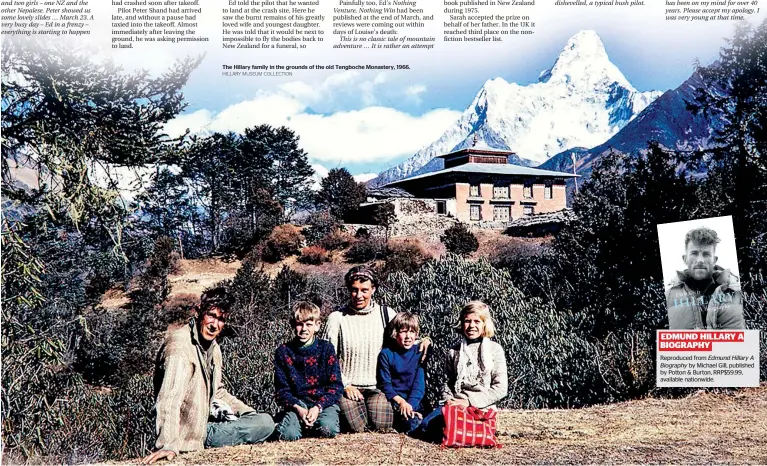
(365,372)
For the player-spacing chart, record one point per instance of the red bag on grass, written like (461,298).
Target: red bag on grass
(469,427)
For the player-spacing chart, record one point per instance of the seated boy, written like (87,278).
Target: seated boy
(400,374)
(307,380)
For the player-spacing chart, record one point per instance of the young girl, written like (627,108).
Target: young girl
(476,369)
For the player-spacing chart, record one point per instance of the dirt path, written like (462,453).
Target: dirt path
(703,428)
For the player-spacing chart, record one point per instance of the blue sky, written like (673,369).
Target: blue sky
(370,121)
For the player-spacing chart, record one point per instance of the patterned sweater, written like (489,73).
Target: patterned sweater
(358,336)
(308,374)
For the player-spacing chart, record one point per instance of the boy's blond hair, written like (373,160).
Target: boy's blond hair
(404,320)
(483,311)
(303,311)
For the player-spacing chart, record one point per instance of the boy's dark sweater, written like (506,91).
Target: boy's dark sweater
(400,373)
(309,374)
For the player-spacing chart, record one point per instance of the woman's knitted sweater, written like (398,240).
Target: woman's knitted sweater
(358,336)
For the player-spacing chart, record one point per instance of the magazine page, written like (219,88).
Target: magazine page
(375,231)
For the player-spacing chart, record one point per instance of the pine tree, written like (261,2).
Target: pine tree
(72,119)
(166,207)
(735,88)
(340,193)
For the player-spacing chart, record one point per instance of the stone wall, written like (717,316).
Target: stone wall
(375,230)
(422,225)
(406,207)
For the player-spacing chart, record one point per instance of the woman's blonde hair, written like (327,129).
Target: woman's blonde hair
(303,311)
(483,311)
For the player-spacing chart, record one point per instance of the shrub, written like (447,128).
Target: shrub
(285,240)
(549,363)
(115,346)
(260,320)
(321,224)
(74,423)
(459,240)
(336,239)
(404,256)
(288,285)
(366,250)
(362,233)
(314,255)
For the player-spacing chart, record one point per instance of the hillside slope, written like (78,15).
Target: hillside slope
(702,428)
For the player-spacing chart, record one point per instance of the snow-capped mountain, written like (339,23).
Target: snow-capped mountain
(666,120)
(581,101)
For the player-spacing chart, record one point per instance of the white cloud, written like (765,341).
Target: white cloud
(363,177)
(337,85)
(414,92)
(370,134)
(320,172)
(373,133)
(195,122)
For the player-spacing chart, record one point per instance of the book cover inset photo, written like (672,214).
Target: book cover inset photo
(700,273)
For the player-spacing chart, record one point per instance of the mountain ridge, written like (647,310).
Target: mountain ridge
(666,120)
(582,100)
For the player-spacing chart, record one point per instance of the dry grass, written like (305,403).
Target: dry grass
(114,299)
(196,275)
(704,428)
(493,241)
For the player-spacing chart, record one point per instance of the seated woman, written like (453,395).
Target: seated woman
(476,369)
(357,333)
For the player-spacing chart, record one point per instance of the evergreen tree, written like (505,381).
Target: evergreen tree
(210,173)
(72,119)
(75,122)
(734,88)
(610,251)
(166,207)
(340,193)
(292,172)
(384,215)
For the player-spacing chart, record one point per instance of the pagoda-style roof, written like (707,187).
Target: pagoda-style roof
(488,169)
(477,152)
(479,148)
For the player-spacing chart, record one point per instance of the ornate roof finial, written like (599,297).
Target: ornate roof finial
(474,142)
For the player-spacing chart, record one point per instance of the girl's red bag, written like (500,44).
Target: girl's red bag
(469,427)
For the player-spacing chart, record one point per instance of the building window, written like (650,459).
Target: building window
(547,192)
(474,212)
(528,210)
(501,213)
(441,207)
(500,192)
(528,191)
(474,190)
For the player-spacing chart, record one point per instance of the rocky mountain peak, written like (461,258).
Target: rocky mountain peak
(583,62)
